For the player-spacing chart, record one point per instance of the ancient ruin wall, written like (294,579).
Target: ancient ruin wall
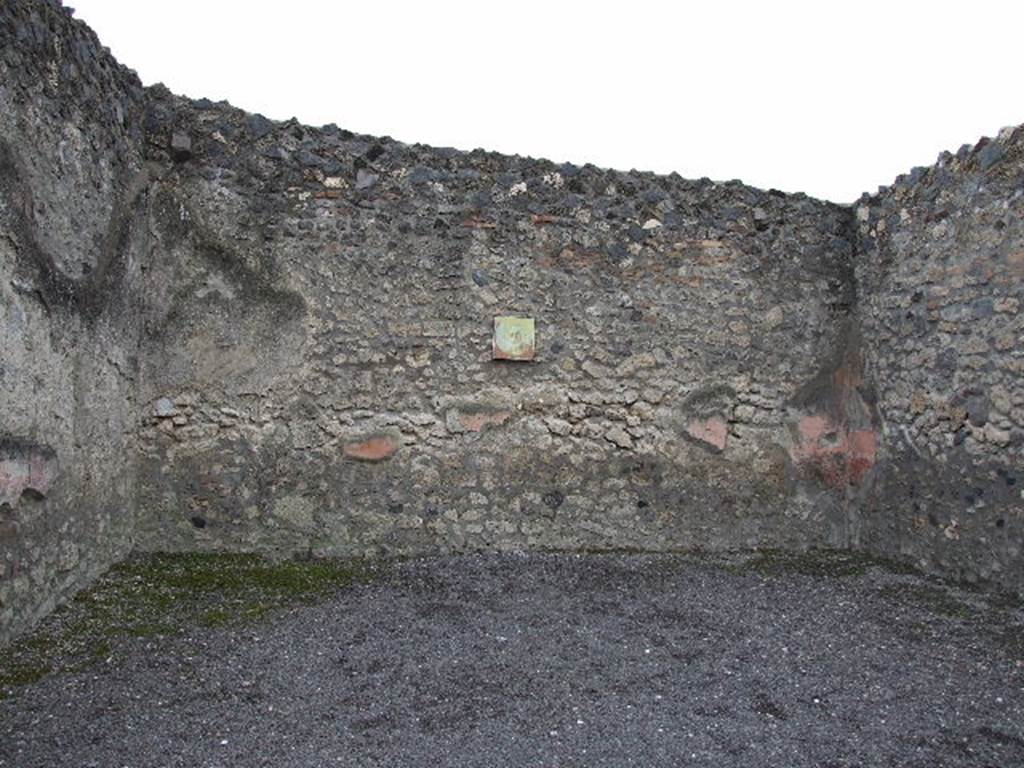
(318,371)
(70,186)
(222,332)
(941,276)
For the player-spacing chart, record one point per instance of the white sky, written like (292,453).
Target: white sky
(828,97)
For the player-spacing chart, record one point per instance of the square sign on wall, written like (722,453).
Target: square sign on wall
(513,338)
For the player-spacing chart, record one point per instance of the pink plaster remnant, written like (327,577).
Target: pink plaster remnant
(41,472)
(13,479)
(376,448)
(839,456)
(862,454)
(714,432)
(813,429)
(476,422)
(30,471)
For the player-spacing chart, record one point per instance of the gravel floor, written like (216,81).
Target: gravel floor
(560,660)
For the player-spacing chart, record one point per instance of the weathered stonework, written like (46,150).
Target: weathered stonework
(224,332)
(375,312)
(72,189)
(942,280)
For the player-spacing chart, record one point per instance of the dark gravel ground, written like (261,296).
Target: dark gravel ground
(561,660)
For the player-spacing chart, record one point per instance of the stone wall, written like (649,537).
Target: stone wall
(942,276)
(318,373)
(70,200)
(223,332)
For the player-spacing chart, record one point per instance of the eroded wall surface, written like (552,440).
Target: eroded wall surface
(223,332)
(70,197)
(318,373)
(942,281)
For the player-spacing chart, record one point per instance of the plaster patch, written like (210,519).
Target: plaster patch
(514,338)
(371,448)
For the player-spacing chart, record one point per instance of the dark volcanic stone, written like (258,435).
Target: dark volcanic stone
(365,179)
(181,146)
(990,154)
(258,126)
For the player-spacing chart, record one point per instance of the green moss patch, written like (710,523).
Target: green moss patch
(932,598)
(818,563)
(167,594)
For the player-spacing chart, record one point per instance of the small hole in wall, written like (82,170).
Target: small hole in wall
(553,499)
(198,522)
(1000,523)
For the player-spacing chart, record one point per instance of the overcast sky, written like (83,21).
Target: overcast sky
(824,97)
